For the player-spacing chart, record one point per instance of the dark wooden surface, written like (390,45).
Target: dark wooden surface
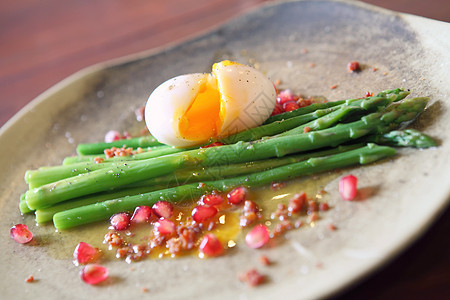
(44,41)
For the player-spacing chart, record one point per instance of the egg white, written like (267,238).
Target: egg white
(247,98)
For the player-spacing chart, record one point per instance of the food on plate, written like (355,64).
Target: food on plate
(191,109)
(21,234)
(214,139)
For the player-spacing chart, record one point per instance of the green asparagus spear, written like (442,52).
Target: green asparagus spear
(23,207)
(403,138)
(45,215)
(44,175)
(185,176)
(98,148)
(316,106)
(126,173)
(104,210)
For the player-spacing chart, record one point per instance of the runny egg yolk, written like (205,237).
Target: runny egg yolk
(203,118)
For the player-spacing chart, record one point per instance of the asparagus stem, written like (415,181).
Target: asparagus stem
(98,148)
(103,210)
(403,138)
(45,175)
(91,157)
(316,106)
(276,127)
(45,215)
(125,173)
(185,176)
(350,107)
(23,207)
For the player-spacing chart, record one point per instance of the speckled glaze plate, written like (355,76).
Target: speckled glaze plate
(305,44)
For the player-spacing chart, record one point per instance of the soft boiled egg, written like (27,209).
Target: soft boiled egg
(194,109)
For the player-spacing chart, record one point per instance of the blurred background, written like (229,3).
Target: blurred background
(44,41)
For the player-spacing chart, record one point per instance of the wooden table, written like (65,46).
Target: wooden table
(44,41)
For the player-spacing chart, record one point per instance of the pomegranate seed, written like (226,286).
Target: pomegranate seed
(257,237)
(324,206)
(210,246)
(142,214)
(164,227)
(202,213)
(126,135)
(237,195)
(21,234)
(211,199)
(163,209)
(93,274)
(286,96)
(353,66)
(85,253)
(304,102)
(264,260)
(290,105)
(297,202)
(332,227)
(348,187)
(112,136)
(140,113)
(275,186)
(120,221)
(252,277)
(278,109)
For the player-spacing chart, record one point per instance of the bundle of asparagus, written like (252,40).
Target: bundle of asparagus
(312,139)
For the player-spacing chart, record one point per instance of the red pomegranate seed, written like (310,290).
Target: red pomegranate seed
(286,96)
(211,199)
(85,253)
(264,260)
(202,213)
(94,274)
(163,209)
(142,214)
(290,105)
(353,66)
(257,237)
(348,187)
(332,227)
(210,246)
(164,227)
(304,102)
(112,136)
(297,203)
(278,109)
(21,234)
(252,277)
(237,195)
(140,113)
(120,221)
(324,206)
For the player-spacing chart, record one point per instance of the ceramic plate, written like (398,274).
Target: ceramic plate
(305,44)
